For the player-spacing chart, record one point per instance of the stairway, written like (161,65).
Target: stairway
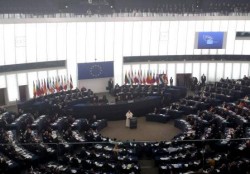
(148,166)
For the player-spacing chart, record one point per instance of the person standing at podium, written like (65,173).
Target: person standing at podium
(129,115)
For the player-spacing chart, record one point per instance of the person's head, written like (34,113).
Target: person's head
(28,130)
(20,110)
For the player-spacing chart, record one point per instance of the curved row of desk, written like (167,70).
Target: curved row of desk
(117,111)
(82,108)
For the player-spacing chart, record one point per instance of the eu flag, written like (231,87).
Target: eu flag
(95,70)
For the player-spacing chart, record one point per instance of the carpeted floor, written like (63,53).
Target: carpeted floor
(146,131)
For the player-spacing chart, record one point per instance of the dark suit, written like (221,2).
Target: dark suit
(203,80)
(110,85)
(171,81)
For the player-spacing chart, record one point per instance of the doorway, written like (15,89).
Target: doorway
(2,96)
(184,79)
(23,91)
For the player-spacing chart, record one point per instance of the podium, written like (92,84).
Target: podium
(133,123)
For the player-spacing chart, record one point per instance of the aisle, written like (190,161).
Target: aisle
(148,166)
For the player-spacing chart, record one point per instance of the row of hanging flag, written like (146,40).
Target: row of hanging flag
(145,78)
(51,85)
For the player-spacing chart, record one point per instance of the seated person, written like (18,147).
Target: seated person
(47,137)
(2,110)
(28,137)
(104,99)
(90,92)
(95,100)
(156,111)
(117,86)
(117,98)
(68,135)
(174,106)
(83,89)
(246,97)
(126,98)
(92,120)
(241,104)
(131,97)
(245,77)
(224,105)
(70,120)
(116,149)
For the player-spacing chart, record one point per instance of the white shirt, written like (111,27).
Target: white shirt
(129,114)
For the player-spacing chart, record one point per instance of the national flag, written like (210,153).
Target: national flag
(153,79)
(126,78)
(161,78)
(48,85)
(52,86)
(44,87)
(61,83)
(57,84)
(165,78)
(157,79)
(149,77)
(41,87)
(34,90)
(65,84)
(144,78)
(68,83)
(71,83)
(132,78)
(139,77)
(38,93)
(129,78)
(136,79)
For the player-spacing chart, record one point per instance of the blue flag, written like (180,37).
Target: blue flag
(95,70)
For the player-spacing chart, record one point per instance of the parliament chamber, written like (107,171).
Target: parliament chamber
(70,69)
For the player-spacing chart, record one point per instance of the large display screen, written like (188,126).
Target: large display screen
(242,35)
(210,40)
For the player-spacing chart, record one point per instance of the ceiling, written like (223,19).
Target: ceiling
(122,6)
